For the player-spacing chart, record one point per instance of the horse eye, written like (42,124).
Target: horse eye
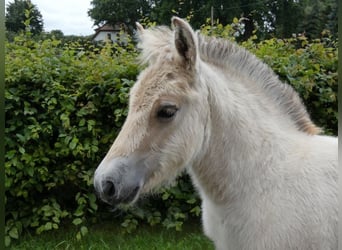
(167,112)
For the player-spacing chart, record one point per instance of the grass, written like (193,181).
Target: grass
(110,236)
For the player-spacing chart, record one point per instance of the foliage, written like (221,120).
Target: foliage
(315,16)
(118,12)
(318,16)
(66,104)
(21,11)
(269,18)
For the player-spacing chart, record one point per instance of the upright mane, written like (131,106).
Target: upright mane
(157,43)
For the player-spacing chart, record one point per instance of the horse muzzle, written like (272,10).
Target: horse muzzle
(119,180)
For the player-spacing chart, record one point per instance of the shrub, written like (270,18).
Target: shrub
(65,106)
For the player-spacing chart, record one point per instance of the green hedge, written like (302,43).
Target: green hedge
(65,106)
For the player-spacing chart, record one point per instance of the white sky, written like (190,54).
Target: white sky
(69,16)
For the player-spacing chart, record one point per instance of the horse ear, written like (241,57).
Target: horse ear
(140,29)
(184,41)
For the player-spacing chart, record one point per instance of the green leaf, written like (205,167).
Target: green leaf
(79,212)
(78,236)
(73,143)
(165,196)
(13,233)
(84,230)
(30,171)
(21,150)
(77,221)
(35,224)
(7,241)
(191,201)
(48,226)
(91,124)
(82,122)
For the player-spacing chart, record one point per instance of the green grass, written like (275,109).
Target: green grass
(110,236)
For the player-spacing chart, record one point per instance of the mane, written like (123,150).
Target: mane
(157,43)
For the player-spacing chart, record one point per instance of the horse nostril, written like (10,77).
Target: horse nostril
(109,189)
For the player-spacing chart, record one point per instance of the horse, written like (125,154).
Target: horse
(266,176)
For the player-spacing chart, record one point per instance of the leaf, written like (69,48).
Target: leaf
(165,196)
(79,212)
(77,221)
(21,150)
(73,143)
(10,154)
(91,124)
(48,226)
(13,233)
(78,236)
(191,201)
(65,120)
(82,122)
(35,224)
(30,171)
(84,230)
(7,241)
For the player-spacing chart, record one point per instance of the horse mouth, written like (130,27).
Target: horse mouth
(130,197)
(127,197)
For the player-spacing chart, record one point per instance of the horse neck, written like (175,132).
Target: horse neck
(244,139)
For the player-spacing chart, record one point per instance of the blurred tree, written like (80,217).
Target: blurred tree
(116,11)
(318,15)
(58,34)
(16,17)
(287,14)
(250,13)
(281,18)
(310,17)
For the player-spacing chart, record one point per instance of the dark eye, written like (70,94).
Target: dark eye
(167,112)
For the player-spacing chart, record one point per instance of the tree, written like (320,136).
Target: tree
(116,11)
(303,16)
(17,14)
(317,16)
(280,18)
(58,34)
(286,17)
(249,12)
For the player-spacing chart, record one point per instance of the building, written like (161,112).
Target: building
(109,33)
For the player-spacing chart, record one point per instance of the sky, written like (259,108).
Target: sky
(69,16)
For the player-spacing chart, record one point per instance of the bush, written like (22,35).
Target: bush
(65,106)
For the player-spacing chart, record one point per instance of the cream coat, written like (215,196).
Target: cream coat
(266,178)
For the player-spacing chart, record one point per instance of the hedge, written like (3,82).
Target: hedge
(65,105)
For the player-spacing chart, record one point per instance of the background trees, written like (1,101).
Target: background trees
(20,11)
(304,16)
(281,18)
(115,11)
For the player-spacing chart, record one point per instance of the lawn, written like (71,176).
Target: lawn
(110,236)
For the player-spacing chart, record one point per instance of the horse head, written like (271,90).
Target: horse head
(164,129)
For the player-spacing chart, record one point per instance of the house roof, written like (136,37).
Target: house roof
(107,27)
